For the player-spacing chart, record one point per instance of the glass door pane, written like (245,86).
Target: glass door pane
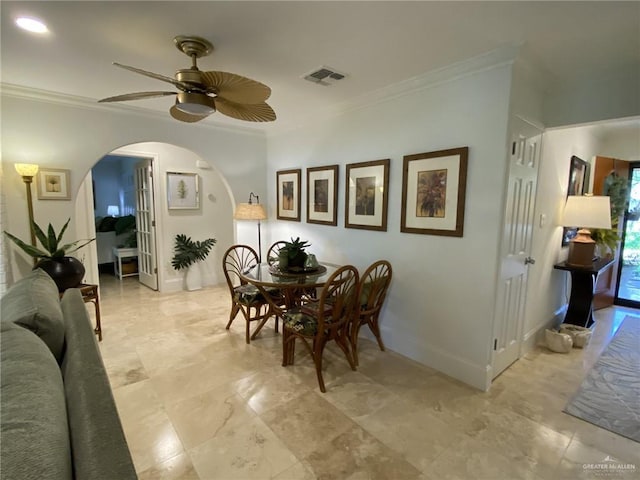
(628,290)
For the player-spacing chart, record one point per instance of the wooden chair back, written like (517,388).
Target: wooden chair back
(237,259)
(274,250)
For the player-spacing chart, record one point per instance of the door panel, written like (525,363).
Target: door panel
(516,244)
(145,224)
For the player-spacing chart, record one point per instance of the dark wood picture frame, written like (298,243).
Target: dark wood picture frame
(367,195)
(578,174)
(322,195)
(433,192)
(288,194)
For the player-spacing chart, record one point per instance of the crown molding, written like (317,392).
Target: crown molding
(45,96)
(494,59)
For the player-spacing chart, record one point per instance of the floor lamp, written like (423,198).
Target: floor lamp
(28,171)
(252,211)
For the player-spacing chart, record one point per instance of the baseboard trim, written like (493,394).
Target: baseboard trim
(462,369)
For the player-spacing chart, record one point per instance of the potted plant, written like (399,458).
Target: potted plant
(186,253)
(615,187)
(54,258)
(292,255)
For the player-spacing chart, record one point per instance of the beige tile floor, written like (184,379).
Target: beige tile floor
(196,402)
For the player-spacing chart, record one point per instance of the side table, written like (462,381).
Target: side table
(118,255)
(583,283)
(90,294)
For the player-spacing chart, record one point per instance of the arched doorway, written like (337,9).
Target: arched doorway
(212,218)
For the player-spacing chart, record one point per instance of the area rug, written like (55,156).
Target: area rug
(609,396)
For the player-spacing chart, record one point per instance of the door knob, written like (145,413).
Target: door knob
(529,260)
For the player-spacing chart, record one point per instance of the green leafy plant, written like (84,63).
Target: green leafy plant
(615,187)
(50,243)
(292,254)
(186,252)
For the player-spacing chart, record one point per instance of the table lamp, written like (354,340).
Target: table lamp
(252,211)
(585,212)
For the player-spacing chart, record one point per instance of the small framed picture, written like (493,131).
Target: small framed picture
(433,192)
(288,188)
(322,195)
(53,184)
(183,191)
(367,195)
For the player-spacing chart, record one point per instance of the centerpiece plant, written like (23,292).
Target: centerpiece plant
(293,255)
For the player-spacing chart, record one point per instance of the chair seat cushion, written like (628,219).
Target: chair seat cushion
(301,322)
(248,294)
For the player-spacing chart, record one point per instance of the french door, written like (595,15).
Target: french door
(628,287)
(146,224)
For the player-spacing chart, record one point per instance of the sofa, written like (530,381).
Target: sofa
(58,419)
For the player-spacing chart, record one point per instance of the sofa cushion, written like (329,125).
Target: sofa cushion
(34,303)
(97,441)
(35,436)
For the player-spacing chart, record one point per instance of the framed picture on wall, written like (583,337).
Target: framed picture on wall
(322,195)
(53,184)
(433,192)
(183,191)
(288,194)
(367,195)
(578,170)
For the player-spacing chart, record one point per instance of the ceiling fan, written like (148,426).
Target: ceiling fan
(202,93)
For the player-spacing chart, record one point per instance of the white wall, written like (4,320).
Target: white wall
(441,303)
(63,132)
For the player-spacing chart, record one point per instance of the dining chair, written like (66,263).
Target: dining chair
(274,250)
(318,322)
(245,297)
(372,291)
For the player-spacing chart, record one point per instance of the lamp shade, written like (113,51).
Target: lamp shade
(26,169)
(113,210)
(250,211)
(587,212)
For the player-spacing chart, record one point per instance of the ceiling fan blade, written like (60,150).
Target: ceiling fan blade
(157,76)
(236,88)
(257,112)
(185,117)
(135,96)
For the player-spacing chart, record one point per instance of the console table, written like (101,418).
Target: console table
(583,283)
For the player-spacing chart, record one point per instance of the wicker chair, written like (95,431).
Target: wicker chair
(245,297)
(372,291)
(318,322)
(274,250)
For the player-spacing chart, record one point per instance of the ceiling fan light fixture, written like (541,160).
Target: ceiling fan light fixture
(195,103)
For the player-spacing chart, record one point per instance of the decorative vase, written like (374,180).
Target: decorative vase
(193,278)
(283,260)
(298,260)
(67,272)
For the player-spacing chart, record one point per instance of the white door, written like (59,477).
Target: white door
(146,224)
(516,244)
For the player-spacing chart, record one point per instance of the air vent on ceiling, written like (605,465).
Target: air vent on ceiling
(324,76)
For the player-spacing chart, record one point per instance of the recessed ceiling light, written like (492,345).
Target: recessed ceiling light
(31,25)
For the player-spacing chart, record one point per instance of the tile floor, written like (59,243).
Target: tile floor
(196,402)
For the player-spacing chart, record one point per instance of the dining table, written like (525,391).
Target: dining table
(293,284)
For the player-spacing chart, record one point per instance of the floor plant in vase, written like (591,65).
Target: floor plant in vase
(53,257)
(186,254)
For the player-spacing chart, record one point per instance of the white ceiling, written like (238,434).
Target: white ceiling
(376,43)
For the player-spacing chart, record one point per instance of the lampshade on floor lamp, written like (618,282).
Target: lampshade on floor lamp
(252,211)
(585,212)
(27,171)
